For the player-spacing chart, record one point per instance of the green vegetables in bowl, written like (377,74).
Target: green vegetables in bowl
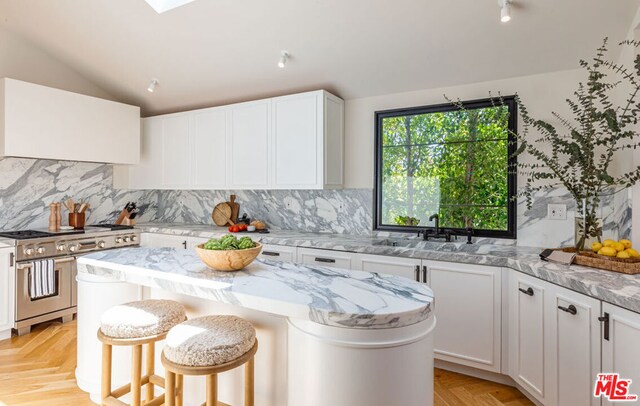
(229,242)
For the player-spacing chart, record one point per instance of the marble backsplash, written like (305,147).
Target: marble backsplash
(27,186)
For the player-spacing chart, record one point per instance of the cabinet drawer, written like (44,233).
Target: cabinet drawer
(278,253)
(310,256)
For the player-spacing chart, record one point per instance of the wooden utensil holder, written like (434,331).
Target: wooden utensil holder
(76,220)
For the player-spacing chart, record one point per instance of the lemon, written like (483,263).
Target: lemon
(632,253)
(623,255)
(617,246)
(595,247)
(607,243)
(626,243)
(608,251)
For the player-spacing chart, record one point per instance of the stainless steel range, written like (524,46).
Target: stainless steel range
(35,248)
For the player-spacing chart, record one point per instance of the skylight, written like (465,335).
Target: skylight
(160,6)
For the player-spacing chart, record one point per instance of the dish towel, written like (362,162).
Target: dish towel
(42,278)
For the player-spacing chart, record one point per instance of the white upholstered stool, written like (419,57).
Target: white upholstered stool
(136,324)
(208,346)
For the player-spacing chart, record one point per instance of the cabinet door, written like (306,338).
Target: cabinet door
(7,291)
(163,241)
(209,149)
(249,145)
(575,354)
(148,173)
(621,351)
(528,336)
(335,259)
(297,135)
(406,267)
(278,253)
(175,151)
(469,314)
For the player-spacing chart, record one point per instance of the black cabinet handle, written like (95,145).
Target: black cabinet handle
(416,273)
(184,244)
(605,320)
(326,260)
(571,309)
(424,274)
(271,253)
(528,292)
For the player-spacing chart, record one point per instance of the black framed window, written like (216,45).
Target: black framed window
(450,161)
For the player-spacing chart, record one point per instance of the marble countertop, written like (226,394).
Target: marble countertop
(616,288)
(330,296)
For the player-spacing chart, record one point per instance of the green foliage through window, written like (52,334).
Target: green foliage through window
(446,160)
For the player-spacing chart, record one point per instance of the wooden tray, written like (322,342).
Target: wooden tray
(629,266)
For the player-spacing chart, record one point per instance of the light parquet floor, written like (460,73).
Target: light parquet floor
(38,369)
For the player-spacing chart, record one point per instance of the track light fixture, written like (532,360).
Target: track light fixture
(505,10)
(284,57)
(152,85)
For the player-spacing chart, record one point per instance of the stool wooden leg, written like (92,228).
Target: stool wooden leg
(212,390)
(179,390)
(248,383)
(106,371)
(136,374)
(150,367)
(169,388)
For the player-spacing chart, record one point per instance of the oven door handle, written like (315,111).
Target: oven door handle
(56,260)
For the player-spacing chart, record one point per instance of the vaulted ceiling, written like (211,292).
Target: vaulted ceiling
(212,52)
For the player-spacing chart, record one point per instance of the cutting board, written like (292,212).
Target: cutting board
(221,215)
(235,208)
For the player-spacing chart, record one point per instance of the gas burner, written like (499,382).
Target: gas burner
(25,234)
(114,227)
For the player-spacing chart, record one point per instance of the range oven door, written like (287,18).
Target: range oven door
(61,299)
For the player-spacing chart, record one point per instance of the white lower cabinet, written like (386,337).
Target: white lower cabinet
(621,346)
(278,253)
(468,312)
(7,291)
(407,267)
(163,241)
(335,259)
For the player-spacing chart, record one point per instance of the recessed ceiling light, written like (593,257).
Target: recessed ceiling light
(160,6)
(152,85)
(284,57)
(505,10)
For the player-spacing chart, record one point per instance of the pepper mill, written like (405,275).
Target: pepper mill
(53,222)
(58,215)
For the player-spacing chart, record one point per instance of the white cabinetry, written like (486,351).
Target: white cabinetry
(7,291)
(469,313)
(335,259)
(621,346)
(278,253)
(42,122)
(289,142)
(153,240)
(410,268)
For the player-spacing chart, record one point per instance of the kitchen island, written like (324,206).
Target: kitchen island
(327,336)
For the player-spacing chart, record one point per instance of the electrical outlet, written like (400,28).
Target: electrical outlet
(557,211)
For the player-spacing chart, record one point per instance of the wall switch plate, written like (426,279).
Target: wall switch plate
(557,211)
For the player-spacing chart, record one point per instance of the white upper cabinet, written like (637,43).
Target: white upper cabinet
(42,122)
(249,145)
(289,142)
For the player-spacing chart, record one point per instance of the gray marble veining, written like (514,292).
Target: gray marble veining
(330,296)
(616,288)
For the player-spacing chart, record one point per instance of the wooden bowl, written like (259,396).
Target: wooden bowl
(228,260)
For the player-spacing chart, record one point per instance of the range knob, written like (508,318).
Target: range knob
(41,250)
(134,238)
(73,248)
(126,239)
(61,247)
(102,244)
(29,251)
(118,240)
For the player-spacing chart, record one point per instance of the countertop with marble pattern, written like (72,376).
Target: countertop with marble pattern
(616,288)
(329,296)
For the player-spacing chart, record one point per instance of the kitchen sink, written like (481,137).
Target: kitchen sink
(399,242)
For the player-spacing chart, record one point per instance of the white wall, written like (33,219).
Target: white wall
(541,94)
(22,60)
